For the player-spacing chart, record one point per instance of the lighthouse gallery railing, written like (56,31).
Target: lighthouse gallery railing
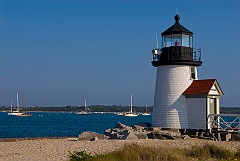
(196,55)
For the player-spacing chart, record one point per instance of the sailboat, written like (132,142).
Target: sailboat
(146,113)
(25,113)
(16,112)
(130,114)
(86,112)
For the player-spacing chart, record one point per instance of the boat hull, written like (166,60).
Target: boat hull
(130,114)
(14,113)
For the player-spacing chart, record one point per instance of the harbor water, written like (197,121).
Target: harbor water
(61,124)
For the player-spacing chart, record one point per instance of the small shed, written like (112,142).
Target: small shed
(202,99)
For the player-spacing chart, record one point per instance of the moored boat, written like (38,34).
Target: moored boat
(130,113)
(86,112)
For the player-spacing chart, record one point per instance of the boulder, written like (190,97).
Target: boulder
(141,135)
(114,135)
(120,125)
(235,136)
(94,139)
(151,135)
(170,134)
(90,135)
(140,126)
(129,136)
(185,137)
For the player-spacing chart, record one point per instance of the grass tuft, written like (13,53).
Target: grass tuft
(135,152)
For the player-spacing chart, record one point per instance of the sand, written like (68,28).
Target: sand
(57,149)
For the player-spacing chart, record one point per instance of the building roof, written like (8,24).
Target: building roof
(177,28)
(202,87)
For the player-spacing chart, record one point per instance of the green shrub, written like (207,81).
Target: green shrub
(79,156)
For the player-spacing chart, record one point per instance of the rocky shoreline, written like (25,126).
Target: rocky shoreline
(145,131)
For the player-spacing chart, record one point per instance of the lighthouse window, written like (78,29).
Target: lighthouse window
(185,40)
(167,40)
(192,73)
(176,40)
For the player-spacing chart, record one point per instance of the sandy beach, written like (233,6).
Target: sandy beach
(56,149)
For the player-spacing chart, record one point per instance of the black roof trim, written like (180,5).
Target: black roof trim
(177,28)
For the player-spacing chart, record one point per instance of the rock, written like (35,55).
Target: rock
(170,134)
(94,139)
(90,135)
(158,136)
(141,135)
(235,136)
(155,129)
(129,136)
(108,131)
(120,125)
(151,135)
(185,137)
(140,126)
(114,135)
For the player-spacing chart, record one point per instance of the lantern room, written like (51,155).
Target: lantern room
(177,35)
(177,47)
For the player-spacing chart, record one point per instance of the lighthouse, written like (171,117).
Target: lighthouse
(179,96)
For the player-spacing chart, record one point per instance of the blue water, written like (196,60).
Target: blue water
(59,124)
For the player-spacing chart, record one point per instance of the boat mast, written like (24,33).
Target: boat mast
(25,102)
(131,104)
(17,103)
(85,104)
(11,106)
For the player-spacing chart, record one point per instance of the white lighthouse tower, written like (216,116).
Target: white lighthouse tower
(176,64)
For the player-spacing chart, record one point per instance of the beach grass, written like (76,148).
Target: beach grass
(136,152)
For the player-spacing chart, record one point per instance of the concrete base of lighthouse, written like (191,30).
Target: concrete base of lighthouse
(170,109)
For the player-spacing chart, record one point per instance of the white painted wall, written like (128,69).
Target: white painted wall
(197,114)
(170,110)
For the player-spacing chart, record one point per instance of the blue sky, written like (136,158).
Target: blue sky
(57,53)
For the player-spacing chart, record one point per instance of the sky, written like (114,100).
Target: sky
(58,53)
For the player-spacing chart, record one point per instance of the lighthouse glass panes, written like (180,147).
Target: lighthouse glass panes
(177,40)
(187,40)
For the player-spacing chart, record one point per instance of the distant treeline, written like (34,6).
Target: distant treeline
(230,110)
(113,108)
(92,108)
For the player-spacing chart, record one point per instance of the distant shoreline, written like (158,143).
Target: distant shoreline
(107,109)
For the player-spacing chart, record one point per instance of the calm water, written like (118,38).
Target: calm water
(51,124)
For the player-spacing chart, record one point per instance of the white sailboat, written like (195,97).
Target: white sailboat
(17,112)
(130,114)
(85,112)
(146,113)
(25,113)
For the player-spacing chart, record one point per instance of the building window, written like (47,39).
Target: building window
(192,73)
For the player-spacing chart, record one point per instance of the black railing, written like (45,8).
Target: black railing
(176,54)
(197,54)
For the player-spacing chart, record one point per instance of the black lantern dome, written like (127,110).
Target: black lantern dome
(177,47)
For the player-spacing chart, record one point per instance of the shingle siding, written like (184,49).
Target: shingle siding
(169,110)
